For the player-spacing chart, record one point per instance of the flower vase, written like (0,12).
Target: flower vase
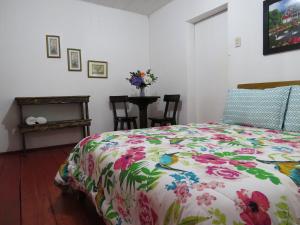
(142,91)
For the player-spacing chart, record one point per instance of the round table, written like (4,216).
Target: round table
(143,102)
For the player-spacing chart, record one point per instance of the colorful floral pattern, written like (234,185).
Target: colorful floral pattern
(195,174)
(254,208)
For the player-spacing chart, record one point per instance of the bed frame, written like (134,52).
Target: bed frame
(268,84)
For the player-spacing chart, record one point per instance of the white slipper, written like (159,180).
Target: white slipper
(41,120)
(31,120)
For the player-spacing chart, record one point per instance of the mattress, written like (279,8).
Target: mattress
(189,174)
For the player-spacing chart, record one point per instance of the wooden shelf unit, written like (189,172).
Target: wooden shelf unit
(83,122)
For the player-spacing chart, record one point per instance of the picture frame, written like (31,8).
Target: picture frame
(97,69)
(53,46)
(74,59)
(281,24)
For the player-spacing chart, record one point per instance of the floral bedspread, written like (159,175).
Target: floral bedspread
(187,175)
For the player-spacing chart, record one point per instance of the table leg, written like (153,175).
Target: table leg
(143,116)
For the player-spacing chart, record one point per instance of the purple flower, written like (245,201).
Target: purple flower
(136,81)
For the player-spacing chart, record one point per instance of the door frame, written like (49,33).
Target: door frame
(191,57)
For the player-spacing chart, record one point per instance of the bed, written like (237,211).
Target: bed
(189,174)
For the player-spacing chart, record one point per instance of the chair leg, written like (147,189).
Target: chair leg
(116,123)
(129,125)
(122,125)
(134,124)
(152,123)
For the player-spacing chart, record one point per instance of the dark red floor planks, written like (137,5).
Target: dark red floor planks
(29,197)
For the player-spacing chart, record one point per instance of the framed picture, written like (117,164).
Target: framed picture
(53,46)
(281,26)
(97,69)
(74,59)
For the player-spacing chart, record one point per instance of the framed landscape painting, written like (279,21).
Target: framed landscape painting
(281,26)
(97,69)
(74,59)
(53,46)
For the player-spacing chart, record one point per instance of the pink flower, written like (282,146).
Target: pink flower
(210,185)
(215,184)
(223,138)
(134,141)
(205,129)
(201,187)
(243,163)
(84,141)
(205,199)
(122,209)
(137,136)
(223,172)
(132,155)
(254,208)
(91,165)
(182,192)
(290,143)
(147,214)
(208,158)
(246,151)
(280,141)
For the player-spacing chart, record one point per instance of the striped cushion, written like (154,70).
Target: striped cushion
(258,108)
(292,119)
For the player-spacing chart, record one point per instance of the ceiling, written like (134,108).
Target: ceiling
(145,7)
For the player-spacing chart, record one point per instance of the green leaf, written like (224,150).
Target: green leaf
(223,154)
(282,205)
(154,141)
(193,220)
(110,173)
(123,175)
(241,168)
(169,214)
(275,180)
(90,146)
(112,215)
(90,185)
(177,212)
(261,176)
(282,214)
(237,223)
(100,160)
(140,178)
(146,171)
(243,157)
(143,186)
(176,140)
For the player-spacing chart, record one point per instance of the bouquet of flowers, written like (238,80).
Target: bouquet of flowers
(141,79)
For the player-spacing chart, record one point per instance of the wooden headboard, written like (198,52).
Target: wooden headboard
(268,85)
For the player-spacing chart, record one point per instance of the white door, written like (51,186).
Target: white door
(211,64)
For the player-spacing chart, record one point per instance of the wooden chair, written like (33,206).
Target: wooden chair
(122,119)
(167,120)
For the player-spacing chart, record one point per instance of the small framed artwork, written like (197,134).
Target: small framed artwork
(97,69)
(74,59)
(281,26)
(53,46)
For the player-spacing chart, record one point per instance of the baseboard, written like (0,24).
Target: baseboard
(39,149)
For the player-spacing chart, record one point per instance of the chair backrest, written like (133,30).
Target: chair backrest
(171,99)
(119,99)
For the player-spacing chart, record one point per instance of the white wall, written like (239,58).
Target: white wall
(171,45)
(119,37)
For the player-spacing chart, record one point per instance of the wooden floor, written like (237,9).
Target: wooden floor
(29,197)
